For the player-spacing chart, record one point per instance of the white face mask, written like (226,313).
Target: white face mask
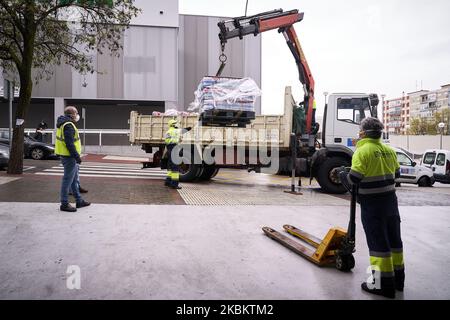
(77,118)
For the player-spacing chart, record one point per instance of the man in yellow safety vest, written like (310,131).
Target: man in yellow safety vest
(68,147)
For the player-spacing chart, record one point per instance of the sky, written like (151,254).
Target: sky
(383,46)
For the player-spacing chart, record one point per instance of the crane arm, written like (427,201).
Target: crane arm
(283,21)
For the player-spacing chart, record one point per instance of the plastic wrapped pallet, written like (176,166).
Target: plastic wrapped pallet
(222,93)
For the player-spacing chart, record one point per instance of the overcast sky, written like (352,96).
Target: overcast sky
(381,46)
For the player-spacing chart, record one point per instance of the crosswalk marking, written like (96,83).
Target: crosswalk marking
(98,175)
(106,171)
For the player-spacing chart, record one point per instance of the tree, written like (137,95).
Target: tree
(39,34)
(429,126)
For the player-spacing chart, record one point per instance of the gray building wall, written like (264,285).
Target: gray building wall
(161,65)
(199,50)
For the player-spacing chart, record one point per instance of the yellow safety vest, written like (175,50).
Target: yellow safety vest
(375,163)
(60,144)
(172,136)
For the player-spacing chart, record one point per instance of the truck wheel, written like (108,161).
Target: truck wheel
(208,173)
(189,172)
(327,175)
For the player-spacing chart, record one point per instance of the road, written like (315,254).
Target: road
(140,240)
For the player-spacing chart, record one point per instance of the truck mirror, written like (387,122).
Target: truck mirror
(414,163)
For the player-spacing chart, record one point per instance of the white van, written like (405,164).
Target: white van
(411,172)
(438,161)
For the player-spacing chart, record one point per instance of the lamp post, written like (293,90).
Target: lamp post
(441,126)
(407,136)
(383,96)
(325,95)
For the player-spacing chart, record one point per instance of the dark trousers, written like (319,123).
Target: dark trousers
(173,170)
(381,221)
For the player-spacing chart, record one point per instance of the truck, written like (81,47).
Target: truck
(295,145)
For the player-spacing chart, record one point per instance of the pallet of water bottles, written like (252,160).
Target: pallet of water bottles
(224,101)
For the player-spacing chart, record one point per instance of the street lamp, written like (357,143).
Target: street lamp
(382,107)
(441,126)
(325,94)
(407,136)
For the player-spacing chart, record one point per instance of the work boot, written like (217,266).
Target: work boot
(83,204)
(175,187)
(83,190)
(67,208)
(385,292)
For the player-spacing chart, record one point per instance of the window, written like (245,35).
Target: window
(353,110)
(429,158)
(403,159)
(440,160)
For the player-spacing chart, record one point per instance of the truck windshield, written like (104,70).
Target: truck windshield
(353,110)
(429,158)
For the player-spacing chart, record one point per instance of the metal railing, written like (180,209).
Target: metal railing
(99,132)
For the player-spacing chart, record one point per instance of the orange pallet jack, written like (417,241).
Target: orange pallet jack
(336,248)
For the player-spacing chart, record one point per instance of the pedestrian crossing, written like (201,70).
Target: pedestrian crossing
(109,171)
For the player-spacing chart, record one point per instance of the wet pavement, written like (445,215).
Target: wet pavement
(140,240)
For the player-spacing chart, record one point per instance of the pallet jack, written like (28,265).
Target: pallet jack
(336,248)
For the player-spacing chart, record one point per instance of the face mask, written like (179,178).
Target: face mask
(77,118)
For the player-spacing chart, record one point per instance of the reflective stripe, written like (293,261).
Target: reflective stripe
(169,174)
(175,176)
(377,190)
(379,178)
(397,258)
(399,267)
(379,254)
(382,264)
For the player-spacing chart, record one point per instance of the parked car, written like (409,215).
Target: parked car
(32,148)
(411,172)
(4,155)
(438,161)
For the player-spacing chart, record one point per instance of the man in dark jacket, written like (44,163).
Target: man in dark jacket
(68,146)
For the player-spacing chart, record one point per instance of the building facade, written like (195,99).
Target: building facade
(424,104)
(164,57)
(398,112)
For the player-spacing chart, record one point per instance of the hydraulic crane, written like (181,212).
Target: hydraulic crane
(338,245)
(283,21)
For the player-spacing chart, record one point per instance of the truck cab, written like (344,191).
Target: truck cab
(342,116)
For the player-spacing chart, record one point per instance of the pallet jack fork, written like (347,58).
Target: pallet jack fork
(336,248)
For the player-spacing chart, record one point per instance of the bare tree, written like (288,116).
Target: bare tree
(39,34)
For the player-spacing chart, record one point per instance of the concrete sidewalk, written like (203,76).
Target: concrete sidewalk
(202,252)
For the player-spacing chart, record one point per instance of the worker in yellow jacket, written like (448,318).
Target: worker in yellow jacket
(172,138)
(374,169)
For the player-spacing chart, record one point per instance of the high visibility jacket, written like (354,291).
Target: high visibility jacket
(173,136)
(374,167)
(60,144)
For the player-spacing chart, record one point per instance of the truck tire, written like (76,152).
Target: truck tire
(189,172)
(327,177)
(208,173)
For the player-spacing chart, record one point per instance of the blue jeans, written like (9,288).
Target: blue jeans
(70,180)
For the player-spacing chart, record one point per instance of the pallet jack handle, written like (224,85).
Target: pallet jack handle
(352,224)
